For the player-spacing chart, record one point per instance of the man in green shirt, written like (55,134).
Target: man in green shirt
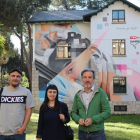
(90,108)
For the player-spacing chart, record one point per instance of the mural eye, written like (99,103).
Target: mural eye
(70,70)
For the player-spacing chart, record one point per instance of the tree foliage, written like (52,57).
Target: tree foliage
(24,82)
(78,4)
(13,16)
(2,47)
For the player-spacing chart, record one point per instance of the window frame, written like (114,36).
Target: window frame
(120,92)
(68,46)
(118,16)
(119,47)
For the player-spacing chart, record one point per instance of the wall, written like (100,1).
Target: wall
(65,73)
(109,65)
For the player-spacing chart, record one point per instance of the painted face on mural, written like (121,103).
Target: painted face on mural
(73,70)
(51,93)
(15,78)
(88,79)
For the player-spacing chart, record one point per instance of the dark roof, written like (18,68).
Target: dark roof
(87,17)
(56,16)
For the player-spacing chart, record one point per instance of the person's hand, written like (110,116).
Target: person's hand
(81,122)
(0,133)
(62,117)
(20,130)
(88,122)
(38,138)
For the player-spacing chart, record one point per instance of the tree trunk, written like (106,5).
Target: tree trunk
(28,62)
(28,65)
(31,53)
(22,58)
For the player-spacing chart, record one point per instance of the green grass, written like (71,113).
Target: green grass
(117,127)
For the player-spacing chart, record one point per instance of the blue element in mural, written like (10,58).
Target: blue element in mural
(42,95)
(74,29)
(99,26)
(62,84)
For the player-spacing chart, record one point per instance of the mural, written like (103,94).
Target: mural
(117,58)
(53,68)
(65,72)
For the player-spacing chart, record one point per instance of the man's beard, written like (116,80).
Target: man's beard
(85,86)
(15,85)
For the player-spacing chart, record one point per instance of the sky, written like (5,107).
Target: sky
(16,41)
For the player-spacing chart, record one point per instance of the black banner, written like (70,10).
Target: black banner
(13,99)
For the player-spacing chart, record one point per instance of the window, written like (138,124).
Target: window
(63,50)
(120,108)
(118,47)
(119,84)
(118,16)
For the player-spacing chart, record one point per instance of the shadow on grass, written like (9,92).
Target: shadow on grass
(116,136)
(117,127)
(129,119)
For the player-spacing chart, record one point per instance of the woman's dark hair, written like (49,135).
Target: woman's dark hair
(57,103)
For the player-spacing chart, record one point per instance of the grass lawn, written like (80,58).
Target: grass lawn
(125,127)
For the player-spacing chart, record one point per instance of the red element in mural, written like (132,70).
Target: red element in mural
(134,37)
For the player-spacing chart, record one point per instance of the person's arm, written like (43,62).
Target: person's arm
(26,120)
(40,123)
(74,113)
(64,116)
(105,109)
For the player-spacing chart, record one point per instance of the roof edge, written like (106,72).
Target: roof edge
(88,16)
(54,21)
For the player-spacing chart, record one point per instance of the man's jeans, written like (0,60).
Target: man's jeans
(13,137)
(98,135)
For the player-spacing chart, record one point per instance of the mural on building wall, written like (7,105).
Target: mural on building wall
(124,65)
(107,71)
(52,56)
(64,73)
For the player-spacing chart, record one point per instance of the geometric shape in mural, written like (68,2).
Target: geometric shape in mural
(99,26)
(122,67)
(42,95)
(124,72)
(134,61)
(129,72)
(106,24)
(74,28)
(104,19)
(72,35)
(37,28)
(76,41)
(83,44)
(37,35)
(137,53)
(44,27)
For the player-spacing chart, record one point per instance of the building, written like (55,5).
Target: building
(107,40)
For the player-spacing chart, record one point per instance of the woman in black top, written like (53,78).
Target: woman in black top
(52,116)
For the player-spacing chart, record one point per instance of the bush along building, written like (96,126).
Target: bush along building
(106,40)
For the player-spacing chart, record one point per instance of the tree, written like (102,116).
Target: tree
(2,47)
(78,4)
(24,82)
(14,14)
